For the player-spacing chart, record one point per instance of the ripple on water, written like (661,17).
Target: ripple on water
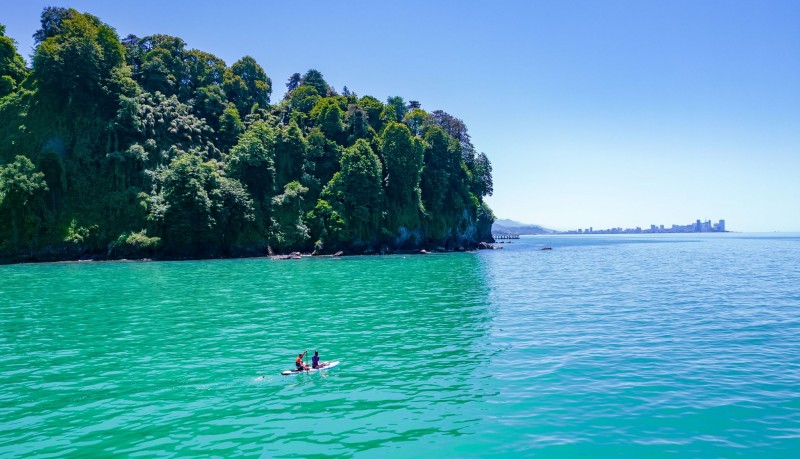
(602,347)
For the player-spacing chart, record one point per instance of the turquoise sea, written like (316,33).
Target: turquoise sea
(604,347)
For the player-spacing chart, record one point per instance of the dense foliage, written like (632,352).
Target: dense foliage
(142,147)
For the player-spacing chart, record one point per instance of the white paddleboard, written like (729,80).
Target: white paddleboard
(326,365)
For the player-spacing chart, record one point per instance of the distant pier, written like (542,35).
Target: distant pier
(505,236)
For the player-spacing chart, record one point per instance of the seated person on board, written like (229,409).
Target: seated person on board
(315,363)
(299,362)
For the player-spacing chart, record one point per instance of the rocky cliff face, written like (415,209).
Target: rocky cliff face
(468,234)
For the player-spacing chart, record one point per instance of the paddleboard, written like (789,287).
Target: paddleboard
(326,365)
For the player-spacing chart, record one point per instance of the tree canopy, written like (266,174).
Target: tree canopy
(12,66)
(147,147)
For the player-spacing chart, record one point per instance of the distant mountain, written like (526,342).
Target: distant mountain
(505,226)
(510,223)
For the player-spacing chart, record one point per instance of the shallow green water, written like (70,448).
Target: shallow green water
(603,347)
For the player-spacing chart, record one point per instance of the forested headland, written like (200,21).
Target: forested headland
(143,147)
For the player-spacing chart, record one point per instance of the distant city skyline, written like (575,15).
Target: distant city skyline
(513,227)
(697,227)
(609,113)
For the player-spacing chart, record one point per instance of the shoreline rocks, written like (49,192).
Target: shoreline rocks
(270,254)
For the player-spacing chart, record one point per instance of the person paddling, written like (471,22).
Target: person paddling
(299,362)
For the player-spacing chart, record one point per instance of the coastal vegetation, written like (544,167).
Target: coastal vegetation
(144,147)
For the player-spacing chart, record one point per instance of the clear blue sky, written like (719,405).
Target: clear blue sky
(593,113)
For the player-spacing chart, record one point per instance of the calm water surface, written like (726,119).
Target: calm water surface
(606,346)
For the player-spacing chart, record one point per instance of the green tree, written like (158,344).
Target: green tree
(189,217)
(357,124)
(246,84)
(322,160)
(203,70)
(52,20)
(77,64)
(294,81)
(209,104)
(7,85)
(480,172)
(400,107)
(230,127)
(202,87)
(132,137)
(482,176)
(374,108)
(165,127)
(326,227)
(290,153)
(52,166)
(233,210)
(357,192)
(314,79)
(403,156)
(12,66)
(162,65)
(483,222)
(133,54)
(304,98)
(417,121)
(204,211)
(252,162)
(442,160)
(389,115)
(22,190)
(289,230)
(329,117)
